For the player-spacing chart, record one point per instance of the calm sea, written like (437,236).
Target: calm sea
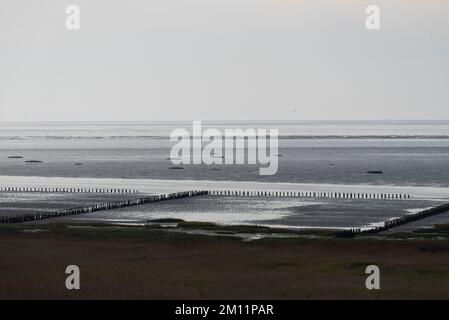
(407,152)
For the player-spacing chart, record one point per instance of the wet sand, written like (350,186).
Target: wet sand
(158,186)
(280,212)
(23,203)
(266,211)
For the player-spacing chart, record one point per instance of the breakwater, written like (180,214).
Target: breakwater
(396,222)
(232,193)
(310,194)
(100,207)
(69,190)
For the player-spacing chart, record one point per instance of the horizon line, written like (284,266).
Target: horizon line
(225,121)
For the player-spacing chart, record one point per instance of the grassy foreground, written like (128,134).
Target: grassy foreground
(153,263)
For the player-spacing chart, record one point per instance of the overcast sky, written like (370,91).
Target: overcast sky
(223,60)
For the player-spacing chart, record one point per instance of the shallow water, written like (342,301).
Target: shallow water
(340,152)
(274,212)
(400,166)
(409,153)
(23,203)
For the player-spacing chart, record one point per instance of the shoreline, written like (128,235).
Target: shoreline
(157,186)
(283,210)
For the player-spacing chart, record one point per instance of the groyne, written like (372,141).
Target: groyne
(69,190)
(396,222)
(311,194)
(99,207)
(231,193)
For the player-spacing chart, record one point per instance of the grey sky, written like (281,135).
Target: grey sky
(223,59)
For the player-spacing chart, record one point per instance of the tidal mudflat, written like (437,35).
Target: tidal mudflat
(23,203)
(290,213)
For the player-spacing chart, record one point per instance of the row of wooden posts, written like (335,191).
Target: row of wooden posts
(238,193)
(100,207)
(68,190)
(396,222)
(410,218)
(304,194)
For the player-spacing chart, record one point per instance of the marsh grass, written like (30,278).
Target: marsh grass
(153,263)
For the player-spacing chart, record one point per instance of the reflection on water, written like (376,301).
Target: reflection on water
(277,212)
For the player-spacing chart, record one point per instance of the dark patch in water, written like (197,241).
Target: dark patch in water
(33,161)
(15,157)
(176,168)
(375,172)
(165,220)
